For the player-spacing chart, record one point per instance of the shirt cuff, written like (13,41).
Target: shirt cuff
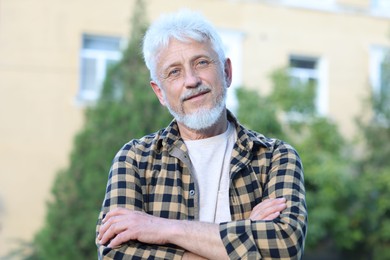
(238,240)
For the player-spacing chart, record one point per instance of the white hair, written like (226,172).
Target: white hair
(183,26)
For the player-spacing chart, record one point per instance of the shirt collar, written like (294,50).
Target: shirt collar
(248,139)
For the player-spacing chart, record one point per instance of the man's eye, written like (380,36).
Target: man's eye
(173,73)
(203,62)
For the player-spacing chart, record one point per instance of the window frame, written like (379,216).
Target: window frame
(310,4)
(86,94)
(380,8)
(319,74)
(377,56)
(233,45)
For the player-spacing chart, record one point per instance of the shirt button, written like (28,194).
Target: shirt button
(192,193)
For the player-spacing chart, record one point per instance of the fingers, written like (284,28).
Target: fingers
(113,213)
(119,239)
(110,229)
(268,209)
(272,216)
(112,225)
(122,225)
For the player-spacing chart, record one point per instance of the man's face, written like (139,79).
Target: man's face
(192,82)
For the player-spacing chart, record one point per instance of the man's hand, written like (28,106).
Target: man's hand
(121,225)
(268,209)
(200,240)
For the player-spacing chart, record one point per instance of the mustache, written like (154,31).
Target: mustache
(193,92)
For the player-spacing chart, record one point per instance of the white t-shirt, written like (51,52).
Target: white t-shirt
(211,160)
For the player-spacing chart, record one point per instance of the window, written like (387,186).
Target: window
(310,70)
(311,4)
(97,54)
(380,74)
(380,4)
(380,7)
(233,49)
(303,69)
(377,69)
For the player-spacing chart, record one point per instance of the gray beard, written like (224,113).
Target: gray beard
(203,118)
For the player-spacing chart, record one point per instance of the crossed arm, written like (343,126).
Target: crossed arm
(196,238)
(132,232)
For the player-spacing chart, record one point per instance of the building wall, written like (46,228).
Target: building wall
(40,43)
(39,74)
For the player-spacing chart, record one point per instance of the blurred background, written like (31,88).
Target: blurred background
(55,57)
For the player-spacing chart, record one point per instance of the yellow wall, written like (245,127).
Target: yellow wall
(39,76)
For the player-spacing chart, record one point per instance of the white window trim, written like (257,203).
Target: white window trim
(377,55)
(380,4)
(310,4)
(89,96)
(321,75)
(233,40)
(380,8)
(101,57)
(322,97)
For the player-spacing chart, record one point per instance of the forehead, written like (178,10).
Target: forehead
(178,51)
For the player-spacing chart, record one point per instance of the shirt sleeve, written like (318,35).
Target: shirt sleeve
(283,237)
(124,190)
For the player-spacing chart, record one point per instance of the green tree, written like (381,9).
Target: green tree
(292,95)
(328,179)
(258,112)
(288,113)
(127,109)
(372,207)
(327,163)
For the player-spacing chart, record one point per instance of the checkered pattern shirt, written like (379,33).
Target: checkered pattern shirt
(154,175)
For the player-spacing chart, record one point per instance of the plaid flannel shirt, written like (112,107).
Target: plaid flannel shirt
(154,175)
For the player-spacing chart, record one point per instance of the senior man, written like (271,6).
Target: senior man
(204,187)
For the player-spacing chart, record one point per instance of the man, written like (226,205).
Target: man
(205,187)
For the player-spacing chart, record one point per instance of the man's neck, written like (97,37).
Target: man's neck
(218,128)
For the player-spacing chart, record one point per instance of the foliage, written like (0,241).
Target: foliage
(127,109)
(347,195)
(258,112)
(348,205)
(347,198)
(327,179)
(373,206)
(292,95)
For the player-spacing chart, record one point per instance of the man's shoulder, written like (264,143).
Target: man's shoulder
(153,142)
(262,140)
(247,135)
(147,142)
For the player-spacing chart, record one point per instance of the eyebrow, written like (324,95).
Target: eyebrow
(194,58)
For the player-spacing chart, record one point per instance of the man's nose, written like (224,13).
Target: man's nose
(192,79)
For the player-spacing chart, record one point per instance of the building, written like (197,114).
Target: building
(53,55)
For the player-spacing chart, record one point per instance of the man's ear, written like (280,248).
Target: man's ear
(228,72)
(158,91)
